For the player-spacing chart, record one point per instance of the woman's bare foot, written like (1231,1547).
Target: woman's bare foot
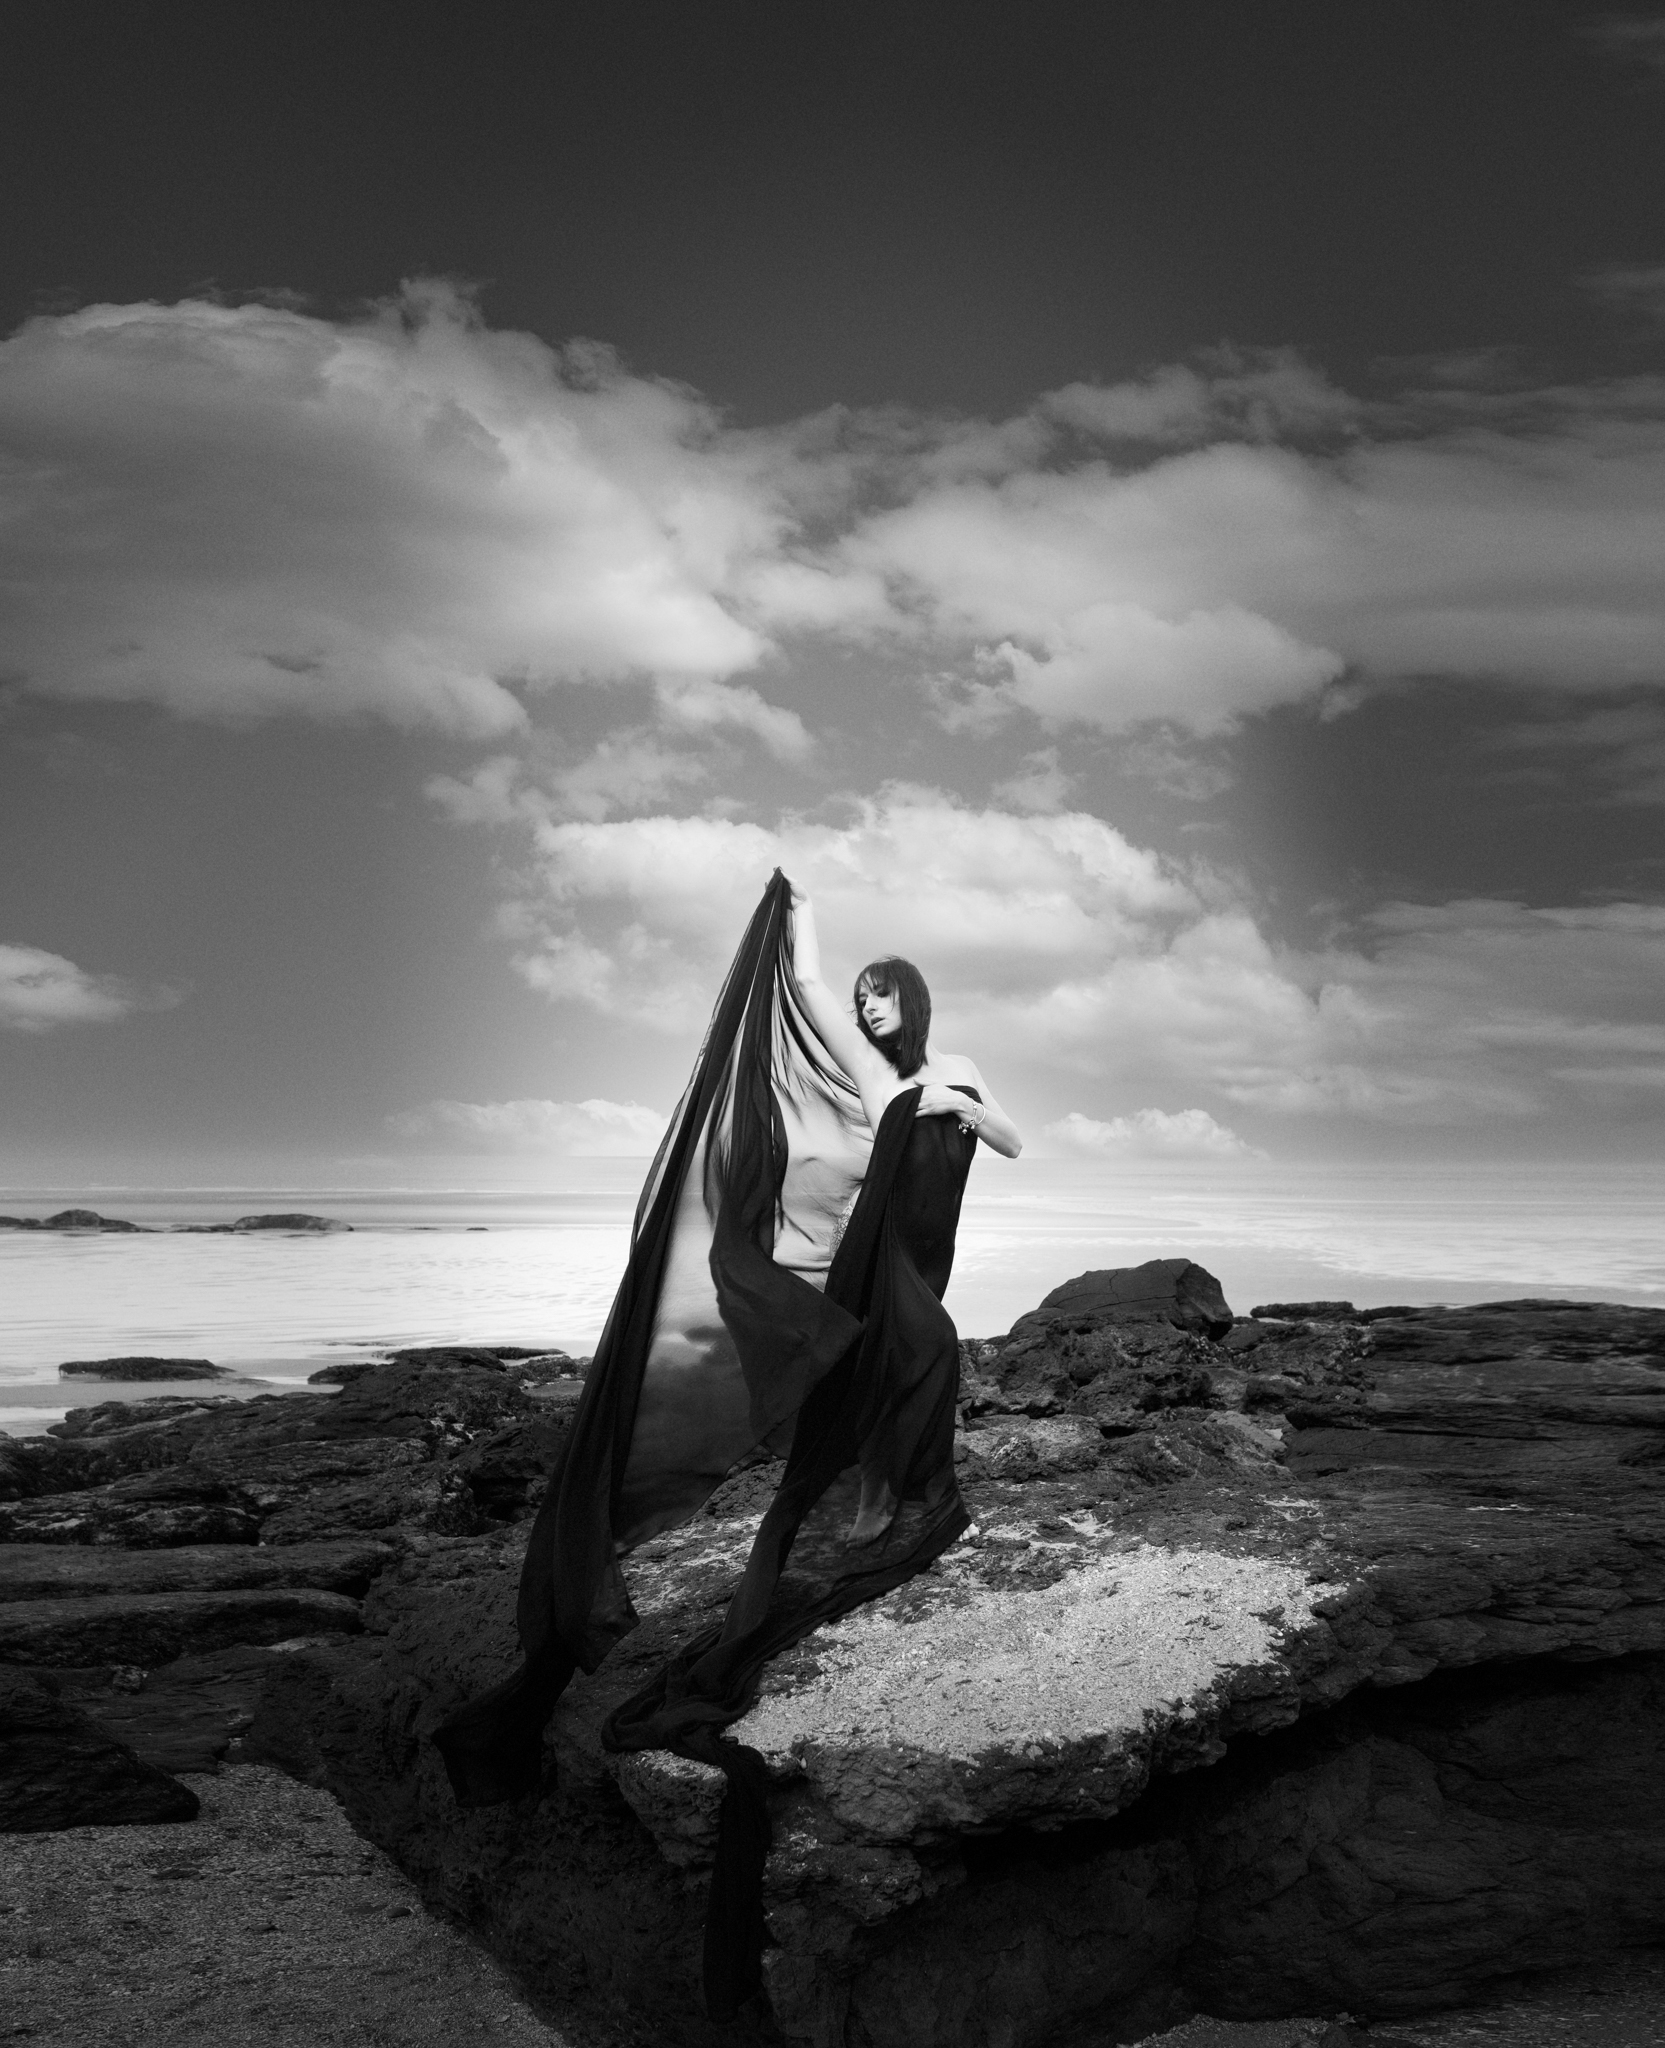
(877,1509)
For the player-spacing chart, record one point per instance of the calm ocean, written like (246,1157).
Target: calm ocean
(436,1267)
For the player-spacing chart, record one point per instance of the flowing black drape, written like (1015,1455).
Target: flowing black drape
(713,1348)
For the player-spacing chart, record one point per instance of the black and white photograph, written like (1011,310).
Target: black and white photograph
(832,1025)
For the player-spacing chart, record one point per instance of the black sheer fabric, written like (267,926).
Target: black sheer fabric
(724,1338)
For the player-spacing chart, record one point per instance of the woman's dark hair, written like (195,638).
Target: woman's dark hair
(900,978)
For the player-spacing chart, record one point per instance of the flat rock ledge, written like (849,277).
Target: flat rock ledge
(1303,1664)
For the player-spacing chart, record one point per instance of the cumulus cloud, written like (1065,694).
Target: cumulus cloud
(1064,958)
(705,705)
(634,915)
(1177,770)
(1149,1134)
(627,770)
(41,991)
(1225,394)
(249,509)
(592,1129)
(246,510)
(1204,670)
(1210,584)
(1039,785)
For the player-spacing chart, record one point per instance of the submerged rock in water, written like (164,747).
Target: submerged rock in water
(243,1225)
(289,1222)
(69,1219)
(144,1369)
(89,1219)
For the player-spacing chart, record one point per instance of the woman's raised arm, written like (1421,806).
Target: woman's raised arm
(865,1064)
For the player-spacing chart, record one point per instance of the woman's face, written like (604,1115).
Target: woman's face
(882,1013)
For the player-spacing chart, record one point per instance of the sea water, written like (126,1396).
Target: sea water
(496,1267)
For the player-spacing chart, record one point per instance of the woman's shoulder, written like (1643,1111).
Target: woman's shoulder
(953,1066)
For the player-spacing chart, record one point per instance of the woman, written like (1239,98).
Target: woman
(883,1051)
(838,1355)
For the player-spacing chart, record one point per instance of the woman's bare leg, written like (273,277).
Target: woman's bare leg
(877,1509)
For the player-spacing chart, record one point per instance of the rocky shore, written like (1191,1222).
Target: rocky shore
(91,1220)
(1297,1664)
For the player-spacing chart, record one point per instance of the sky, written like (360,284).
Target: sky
(1154,513)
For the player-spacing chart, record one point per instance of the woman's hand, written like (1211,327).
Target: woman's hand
(985,1117)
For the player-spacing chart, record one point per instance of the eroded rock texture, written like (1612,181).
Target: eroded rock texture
(158,1558)
(1294,1664)
(62,1769)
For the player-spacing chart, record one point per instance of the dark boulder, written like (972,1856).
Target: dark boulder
(243,1226)
(144,1369)
(1174,1291)
(59,1768)
(1114,1346)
